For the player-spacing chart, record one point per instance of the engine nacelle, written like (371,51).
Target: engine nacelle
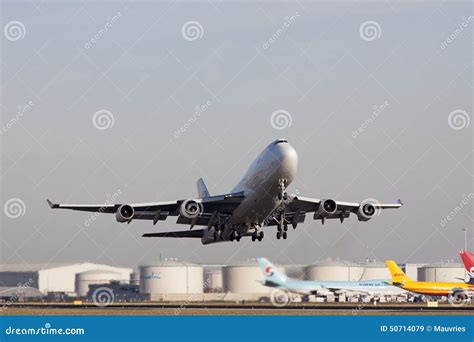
(326,207)
(366,211)
(191,208)
(124,213)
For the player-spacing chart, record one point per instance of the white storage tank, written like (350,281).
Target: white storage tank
(442,272)
(375,270)
(171,277)
(94,277)
(213,280)
(135,278)
(244,278)
(334,270)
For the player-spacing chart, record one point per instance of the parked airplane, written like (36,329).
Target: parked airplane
(258,200)
(468,261)
(286,286)
(453,291)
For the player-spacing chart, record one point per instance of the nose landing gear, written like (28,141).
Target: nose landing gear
(282,194)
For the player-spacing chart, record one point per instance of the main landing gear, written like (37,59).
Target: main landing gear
(282,233)
(235,235)
(257,235)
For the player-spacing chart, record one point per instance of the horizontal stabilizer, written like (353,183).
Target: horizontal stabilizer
(179,234)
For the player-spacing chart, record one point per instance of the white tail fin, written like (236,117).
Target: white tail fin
(271,273)
(202,189)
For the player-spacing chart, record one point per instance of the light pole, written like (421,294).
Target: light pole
(465,238)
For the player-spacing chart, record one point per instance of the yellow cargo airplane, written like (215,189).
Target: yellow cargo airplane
(428,288)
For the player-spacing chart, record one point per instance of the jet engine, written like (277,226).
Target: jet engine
(326,207)
(124,213)
(366,211)
(191,208)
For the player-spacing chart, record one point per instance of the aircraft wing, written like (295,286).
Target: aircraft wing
(330,209)
(207,209)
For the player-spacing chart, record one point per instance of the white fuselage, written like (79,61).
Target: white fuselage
(261,186)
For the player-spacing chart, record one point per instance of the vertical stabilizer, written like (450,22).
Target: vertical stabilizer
(271,274)
(202,189)
(398,276)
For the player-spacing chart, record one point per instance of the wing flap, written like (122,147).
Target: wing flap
(198,233)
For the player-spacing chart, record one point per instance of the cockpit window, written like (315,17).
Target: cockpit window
(280,141)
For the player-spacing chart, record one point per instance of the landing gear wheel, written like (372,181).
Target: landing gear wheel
(254,237)
(231,237)
(285,227)
(285,235)
(260,236)
(285,196)
(280,196)
(278,235)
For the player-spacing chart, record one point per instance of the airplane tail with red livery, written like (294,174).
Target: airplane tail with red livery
(468,260)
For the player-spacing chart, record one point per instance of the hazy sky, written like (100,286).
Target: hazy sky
(378,98)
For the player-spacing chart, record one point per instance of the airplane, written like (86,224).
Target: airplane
(454,291)
(258,200)
(286,286)
(468,261)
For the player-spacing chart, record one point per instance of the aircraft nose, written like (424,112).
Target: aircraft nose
(288,159)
